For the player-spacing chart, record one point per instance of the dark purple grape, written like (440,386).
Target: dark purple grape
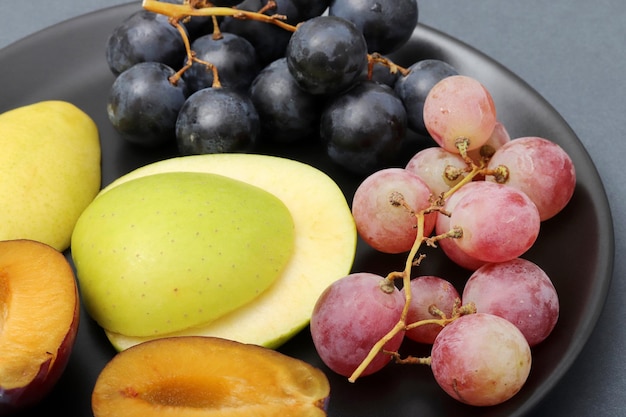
(217,120)
(144,37)
(233,56)
(364,128)
(308,9)
(413,89)
(271,41)
(287,113)
(268,40)
(326,55)
(143,104)
(386,25)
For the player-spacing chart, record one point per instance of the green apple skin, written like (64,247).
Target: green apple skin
(168,252)
(49,171)
(325,245)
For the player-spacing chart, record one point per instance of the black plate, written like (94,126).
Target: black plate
(575,248)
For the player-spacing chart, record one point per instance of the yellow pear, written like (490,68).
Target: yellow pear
(49,171)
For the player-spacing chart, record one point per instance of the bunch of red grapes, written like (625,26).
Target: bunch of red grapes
(481,197)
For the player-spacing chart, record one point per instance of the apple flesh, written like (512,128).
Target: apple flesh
(192,376)
(324,247)
(176,250)
(39,315)
(49,171)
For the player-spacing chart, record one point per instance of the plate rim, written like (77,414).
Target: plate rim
(605,223)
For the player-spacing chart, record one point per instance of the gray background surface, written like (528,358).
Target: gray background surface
(572,53)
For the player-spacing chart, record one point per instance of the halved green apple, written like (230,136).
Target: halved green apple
(324,247)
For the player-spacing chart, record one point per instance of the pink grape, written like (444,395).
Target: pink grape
(386,227)
(432,165)
(498,138)
(459,107)
(519,291)
(449,246)
(453,252)
(541,169)
(350,316)
(499,222)
(481,359)
(429,291)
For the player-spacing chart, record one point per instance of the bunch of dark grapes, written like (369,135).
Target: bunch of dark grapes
(288,71)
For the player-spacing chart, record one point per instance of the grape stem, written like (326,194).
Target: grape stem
(376,58)
(191,58)
(397,199)
(500,173)
(474,170)
(406,279)
(202,8)
(180,13)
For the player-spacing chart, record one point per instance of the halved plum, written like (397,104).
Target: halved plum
(208,376)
